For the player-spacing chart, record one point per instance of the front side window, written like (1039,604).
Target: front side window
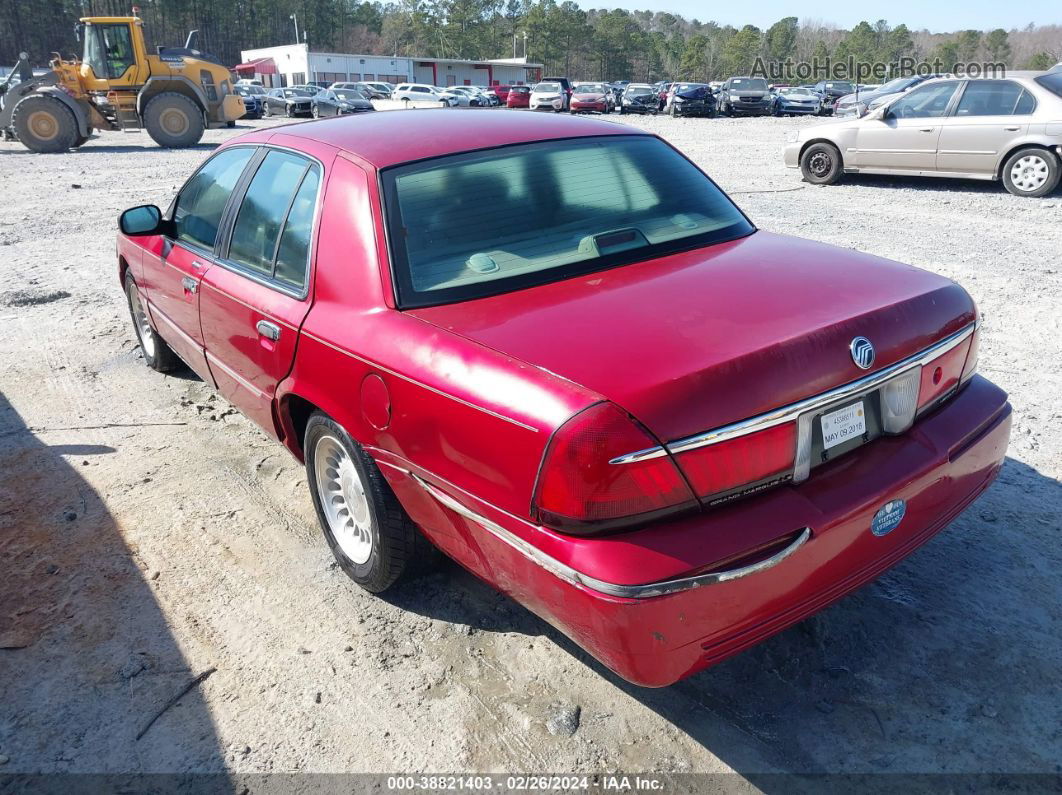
(994,98)
(108,50)
(471,225)
(267,208)
(930,101)
(198,208)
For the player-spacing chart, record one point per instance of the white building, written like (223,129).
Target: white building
(291,64)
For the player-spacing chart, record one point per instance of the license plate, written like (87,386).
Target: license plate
(843,425)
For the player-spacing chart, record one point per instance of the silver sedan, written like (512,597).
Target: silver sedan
(992,129)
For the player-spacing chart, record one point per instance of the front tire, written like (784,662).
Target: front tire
(821,164)
(369,533)
(44,124)
(1032,172)
(157,354)
(173,120)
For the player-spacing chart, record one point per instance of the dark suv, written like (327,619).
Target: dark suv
(745,96)
(832,90)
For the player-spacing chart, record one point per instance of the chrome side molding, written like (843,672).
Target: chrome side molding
(575,577)
(791,412)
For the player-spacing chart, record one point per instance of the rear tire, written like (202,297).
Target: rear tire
(821,164)
(173,120)
(44,124)
(157,354)
(368,531)
(1031,172)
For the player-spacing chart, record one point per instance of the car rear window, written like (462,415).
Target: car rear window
(1052,82)
(476,224)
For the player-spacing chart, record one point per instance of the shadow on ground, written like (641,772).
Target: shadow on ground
(86,656)
(947,663)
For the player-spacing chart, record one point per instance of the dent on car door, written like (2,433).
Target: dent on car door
(989,116)
(174,267)
(254,301)
(905,138)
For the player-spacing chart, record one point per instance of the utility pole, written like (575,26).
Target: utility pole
(295,19)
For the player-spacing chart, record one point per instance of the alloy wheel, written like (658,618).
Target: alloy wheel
(143,327)
(343,499)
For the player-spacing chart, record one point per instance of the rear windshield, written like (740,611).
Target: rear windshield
(1052,82)
(548,87)
(471,225)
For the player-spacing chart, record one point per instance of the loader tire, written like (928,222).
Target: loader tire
(173,120)
(44,124)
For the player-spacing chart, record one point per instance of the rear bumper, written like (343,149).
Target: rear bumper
(938,468)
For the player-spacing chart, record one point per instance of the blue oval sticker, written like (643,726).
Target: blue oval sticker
(888,517)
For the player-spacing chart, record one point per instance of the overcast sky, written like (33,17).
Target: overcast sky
(940,16)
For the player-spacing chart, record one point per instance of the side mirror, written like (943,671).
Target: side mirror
(143,220)
(879,113)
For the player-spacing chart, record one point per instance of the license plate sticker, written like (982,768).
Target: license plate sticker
(843,425)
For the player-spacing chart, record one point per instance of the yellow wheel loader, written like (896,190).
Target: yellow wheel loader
(174,94)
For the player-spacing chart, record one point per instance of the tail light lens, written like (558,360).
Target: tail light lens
(741,461)
(971,358)
(579,490)
(941,376)
(899,401)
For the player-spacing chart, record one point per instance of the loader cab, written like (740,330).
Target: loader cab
(114,54)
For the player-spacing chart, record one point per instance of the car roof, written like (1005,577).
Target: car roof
(390,137)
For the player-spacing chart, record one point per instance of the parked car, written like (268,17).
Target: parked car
(858,104)
(974,129)
(548,95)
(639,98)
(371,90)
(488,94)
(1056,68)
(565,84)
(340,102)
(248,81)
(501,92)
(590,98)
(745,96)
(466,97)
(420,92)
(518,97)
(796,102)
(288,102)
(253,99)
(832,90)
(690,99)
(516,395)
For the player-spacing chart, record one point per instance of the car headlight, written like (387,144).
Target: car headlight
(680,99)
(735,98)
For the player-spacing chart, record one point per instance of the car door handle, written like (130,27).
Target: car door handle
(1012,129)
(270,331)
(927,129)
(198,265)
(190,284)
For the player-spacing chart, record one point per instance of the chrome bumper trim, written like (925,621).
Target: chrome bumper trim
(575,577)
(794,410)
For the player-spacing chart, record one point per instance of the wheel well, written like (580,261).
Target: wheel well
(804,148)
(295,412)
(1003,160)
(123,267)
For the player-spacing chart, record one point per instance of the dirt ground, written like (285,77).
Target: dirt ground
(148,534)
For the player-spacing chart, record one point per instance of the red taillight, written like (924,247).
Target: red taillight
(941,376)
(578,486)
(971,358)
(744,460)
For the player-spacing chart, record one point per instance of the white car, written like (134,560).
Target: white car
(383,89)
(466,97)
(549,96)
(421,92)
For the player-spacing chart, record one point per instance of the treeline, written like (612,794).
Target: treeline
(605,44)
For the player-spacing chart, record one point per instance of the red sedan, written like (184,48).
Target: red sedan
(589,98)
(553,348)
(518,97)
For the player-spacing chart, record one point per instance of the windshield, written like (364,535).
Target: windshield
(590,89)
(470,225)
(798,92)
(349,93)
(520,90)
(108,49)
(639,90)
(296,92)
(1052,82)
(548,87)
(847,88)
(748,84)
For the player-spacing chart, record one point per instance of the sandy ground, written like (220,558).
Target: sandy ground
(148,533)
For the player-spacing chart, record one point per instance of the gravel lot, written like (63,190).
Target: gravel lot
(148,534)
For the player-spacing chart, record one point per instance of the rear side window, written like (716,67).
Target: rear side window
(282,192)
(995,98)
(197,212)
